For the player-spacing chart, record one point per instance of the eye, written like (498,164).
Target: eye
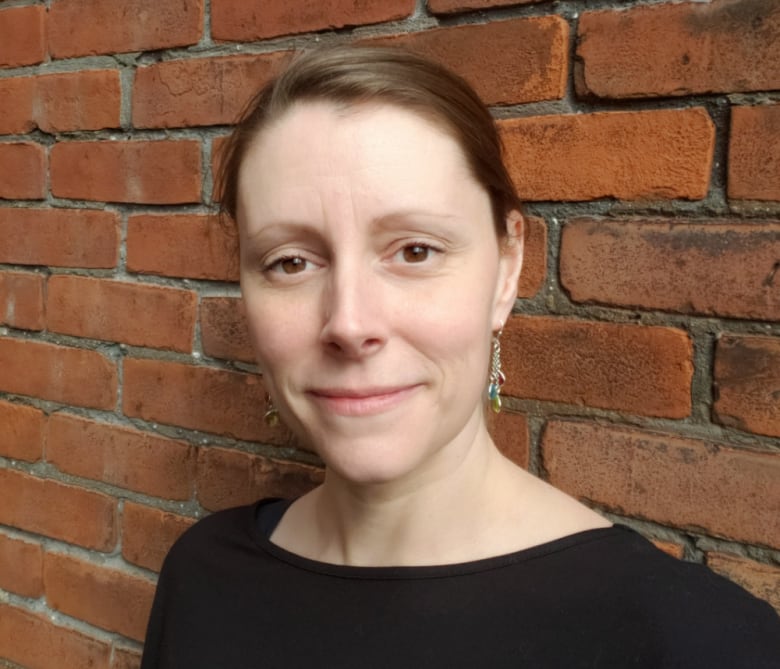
(416,253)
(289,265)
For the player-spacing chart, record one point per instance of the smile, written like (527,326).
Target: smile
(361,402)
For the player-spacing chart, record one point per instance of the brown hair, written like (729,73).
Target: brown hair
(352,75)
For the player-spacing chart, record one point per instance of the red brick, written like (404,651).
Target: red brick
(657,154)
(754,153)
(59,237)
(121,456)
(108,598)
(85,27)
(713,268)
(534,257)
(231,478)
(22,435)
(200,398)
(33,641)
(722,46)
(148,534)
(21,567)
(688,483)
(238,20)
(125,658)
(670,548)
(451,6)
(53,509)
(510,433)
(22,171)
(22,36)
(747,378)
(21,300)
(182,245)
(137,314)
(150,172)
(58,373)
(763,580)
(521,60)
(224,331)
(17,95)
(85,100)
(629,368)
(201,91)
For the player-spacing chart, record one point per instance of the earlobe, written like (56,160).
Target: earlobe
(510,264)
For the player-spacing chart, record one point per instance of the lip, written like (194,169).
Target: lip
(361,401)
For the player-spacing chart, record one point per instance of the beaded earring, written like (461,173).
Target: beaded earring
(497,377)
(271,416)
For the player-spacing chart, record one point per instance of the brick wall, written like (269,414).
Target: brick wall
(643,358)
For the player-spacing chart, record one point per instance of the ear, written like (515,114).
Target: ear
(510,263)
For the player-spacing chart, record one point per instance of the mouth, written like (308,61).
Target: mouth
(361,401)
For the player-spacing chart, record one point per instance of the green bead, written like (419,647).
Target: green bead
(495,403)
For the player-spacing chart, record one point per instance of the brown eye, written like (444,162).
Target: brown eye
(416,253)
(292,265)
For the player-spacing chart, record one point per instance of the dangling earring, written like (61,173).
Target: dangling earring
(497,377)
(271,416)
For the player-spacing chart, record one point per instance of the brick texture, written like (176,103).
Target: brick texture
(747,384)
(17,95)
(22,171)
(534,257)
(754,152)
(707,267)
(763,580)
(224,331)
(240,20)
(21,300)
(205,91)
(53,509)
(522,60)
(450,6)
(21,437)
(509,431)
(636,369)
(110,599)
(151,172)
(126,658)
(32,641)
(121,311)
(120,456)
(680,49)
(671,480)
(182,245)
(21,568)
(22,35)
(229,478)
(59,237)
(627,155)
(148,534)
(58,373)
(85,27)
(670,548)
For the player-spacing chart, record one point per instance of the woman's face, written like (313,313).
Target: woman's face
(373,282)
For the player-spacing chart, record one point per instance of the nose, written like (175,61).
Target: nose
(353,323)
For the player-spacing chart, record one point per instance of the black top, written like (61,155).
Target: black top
(228,598)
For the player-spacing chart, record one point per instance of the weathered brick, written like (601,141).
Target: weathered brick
(657,154)
(230,478)
(521,60)
(747,384)
(21,567)
(64,512)
(452,6)
(200,398)
(21,300)
(723,46)
(148,534)
(57,373)
(108,598)
(631,368)
(224,331)
(59,237)
(22,171)
(237,20)
(33,641)
(84,100)
(17,95)
(510,433)
(182,245)
(22,35)
(534,257)
(713,268)
(125,658)
(137,314)
(22,432)
(763,580)
(670,548)
(85,27)
(121,456)
(688,483)
(150,172)
(754,152)
(200,91)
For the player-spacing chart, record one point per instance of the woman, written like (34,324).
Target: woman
(381,243)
